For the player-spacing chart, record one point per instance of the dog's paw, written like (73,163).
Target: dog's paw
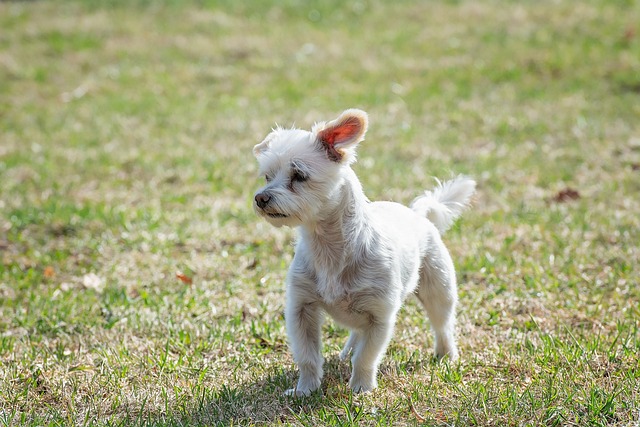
(303,388)
(296,392)
(446,349)
(362,386)
(450,355)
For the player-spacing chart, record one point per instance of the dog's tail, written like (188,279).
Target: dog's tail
(443,205)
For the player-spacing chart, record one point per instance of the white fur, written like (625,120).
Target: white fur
(355,260)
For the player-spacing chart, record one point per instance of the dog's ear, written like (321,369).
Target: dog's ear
(264,145)
(339,137)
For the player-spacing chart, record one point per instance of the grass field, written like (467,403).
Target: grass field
(138,288)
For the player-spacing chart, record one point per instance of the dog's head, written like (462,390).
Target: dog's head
(303,170)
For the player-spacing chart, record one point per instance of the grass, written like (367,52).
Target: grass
(138,288)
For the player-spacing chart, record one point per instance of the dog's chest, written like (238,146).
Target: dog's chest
(334,285)
(337,272)
(329,287)
(342,302)
(348,312)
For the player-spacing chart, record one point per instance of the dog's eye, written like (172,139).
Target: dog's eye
(267,178)
(298,176)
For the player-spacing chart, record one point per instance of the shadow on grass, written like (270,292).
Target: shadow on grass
(263,401)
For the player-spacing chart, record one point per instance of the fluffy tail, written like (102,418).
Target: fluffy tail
(443,205)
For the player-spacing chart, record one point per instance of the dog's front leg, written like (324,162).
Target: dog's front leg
(367,354)
(304,323)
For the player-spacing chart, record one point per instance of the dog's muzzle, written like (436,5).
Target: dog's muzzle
(262,200)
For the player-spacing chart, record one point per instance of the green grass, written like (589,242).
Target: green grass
(126,131)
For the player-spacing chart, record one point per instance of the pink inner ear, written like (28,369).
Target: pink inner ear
(342,132)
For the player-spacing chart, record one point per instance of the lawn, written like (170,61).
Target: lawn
(138,288)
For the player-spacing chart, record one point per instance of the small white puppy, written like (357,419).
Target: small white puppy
(355,260)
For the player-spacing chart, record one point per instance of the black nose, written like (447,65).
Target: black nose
(262,200)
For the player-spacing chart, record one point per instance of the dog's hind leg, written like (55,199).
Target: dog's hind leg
(351,343)
(437,292)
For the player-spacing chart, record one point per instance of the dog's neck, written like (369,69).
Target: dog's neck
(334,239)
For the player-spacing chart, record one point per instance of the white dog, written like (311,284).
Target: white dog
(355,260)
